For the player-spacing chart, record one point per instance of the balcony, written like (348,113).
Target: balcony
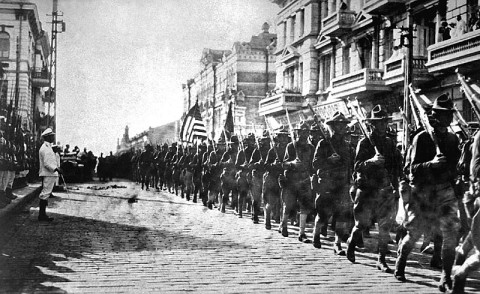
(395,69)
(383,6)
(462,51)
(278,102)
(40,78)
(364,82)
(338,23)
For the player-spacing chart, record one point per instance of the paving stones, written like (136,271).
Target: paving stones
(100,243)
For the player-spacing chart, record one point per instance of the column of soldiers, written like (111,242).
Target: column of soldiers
(321,174)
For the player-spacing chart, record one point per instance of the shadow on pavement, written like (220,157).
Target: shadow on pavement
(30,251)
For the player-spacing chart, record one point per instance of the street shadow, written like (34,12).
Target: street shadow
(31,253)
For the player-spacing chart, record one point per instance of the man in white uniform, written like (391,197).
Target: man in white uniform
(49,171)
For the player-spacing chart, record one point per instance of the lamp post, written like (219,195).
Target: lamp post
(407,42)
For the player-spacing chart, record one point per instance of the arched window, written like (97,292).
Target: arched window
(4,45)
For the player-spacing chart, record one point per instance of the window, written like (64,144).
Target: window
(4,45)
(365,51)
(325,63)
(3,94)
(292,29)
(346,60)
(302,22)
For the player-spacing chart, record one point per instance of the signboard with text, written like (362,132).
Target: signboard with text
(326,110)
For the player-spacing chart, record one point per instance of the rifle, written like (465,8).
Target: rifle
(272,142)
(424,120)
(462,124)
(361,123)
(472,97)
(256,141)
(290,128)
(327,138)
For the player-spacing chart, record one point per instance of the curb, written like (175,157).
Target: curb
(24,195)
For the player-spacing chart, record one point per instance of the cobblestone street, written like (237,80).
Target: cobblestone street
(100,243)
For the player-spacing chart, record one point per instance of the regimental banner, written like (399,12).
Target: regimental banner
(327,109)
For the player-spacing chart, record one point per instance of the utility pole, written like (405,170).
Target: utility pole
(407,42)
(52,93)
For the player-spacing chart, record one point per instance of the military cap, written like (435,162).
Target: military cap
(234,139)
(48,132)
(314,127)
(337,117)
(250,136)
(378,114)
(302,125)
(443,102)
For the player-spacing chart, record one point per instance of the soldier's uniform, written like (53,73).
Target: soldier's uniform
(472,241)
(376,178)
(169,166)
(243,177)
(206,175)
(146,165)
(227,178)
(433,201)
(333,167)
(160,163)
(271,189)
(196,165)
(296,186)
(257,166)
(5,162)
(215,168)
(177,169)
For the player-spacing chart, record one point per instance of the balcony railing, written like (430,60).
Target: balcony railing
(382,6)
(278,102)
(40,77)
(359,83)
(395,70)
(338,23)
(455,52)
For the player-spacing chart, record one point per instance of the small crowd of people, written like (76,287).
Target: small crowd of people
(335,178)
(460,27)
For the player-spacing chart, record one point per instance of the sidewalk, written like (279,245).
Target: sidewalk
(24,195)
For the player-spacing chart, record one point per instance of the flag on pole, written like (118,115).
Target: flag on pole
(193,127)
(229,126)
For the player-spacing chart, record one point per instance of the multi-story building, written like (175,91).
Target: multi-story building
(24,51)
(167,133)
(330,51)
(241,76)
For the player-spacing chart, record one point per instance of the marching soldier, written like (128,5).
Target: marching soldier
(296,186)
(177,169)
(472,241)
(376,170)
(206,174)
(227,178)
(257,162)
(271,189)
(315,134)
(243,176)
(146,163)
(333,161)
(169,162)
(196,165)
(215,168)
(433,200)
(160,163)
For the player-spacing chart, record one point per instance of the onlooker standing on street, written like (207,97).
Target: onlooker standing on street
(49,171)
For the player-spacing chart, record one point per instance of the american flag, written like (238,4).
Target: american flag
(193,126)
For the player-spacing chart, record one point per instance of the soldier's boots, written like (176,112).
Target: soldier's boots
(458,286)
(399,273)
(338,250)
(303,238)
(351,250)
(382,265)
(284,231)
(42,215)
(316,242)
(267,216)
(9,194)
(209,205)
(445,283)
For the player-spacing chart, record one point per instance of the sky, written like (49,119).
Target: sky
(123,62)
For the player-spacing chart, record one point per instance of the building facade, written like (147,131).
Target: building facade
(332,51)
(167,133)
(24,52)
(240,76)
